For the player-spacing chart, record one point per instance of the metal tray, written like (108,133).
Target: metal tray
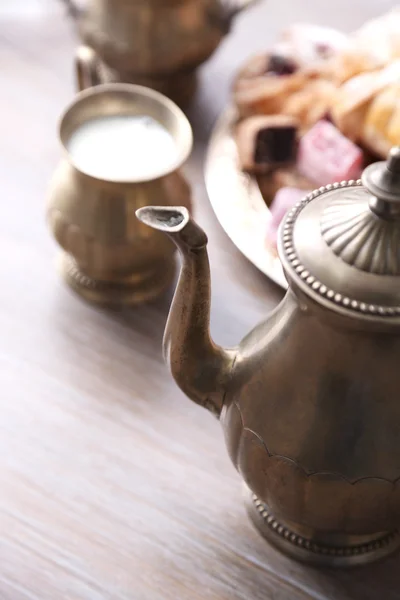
(237,200)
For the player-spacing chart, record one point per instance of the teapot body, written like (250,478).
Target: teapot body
(154,43)
(312,423)
(308,401)
(149,37)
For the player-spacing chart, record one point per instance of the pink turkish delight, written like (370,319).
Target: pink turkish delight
(326,156)
(284,200)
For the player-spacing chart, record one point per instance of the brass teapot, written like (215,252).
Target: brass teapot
(309,400)
(155,43)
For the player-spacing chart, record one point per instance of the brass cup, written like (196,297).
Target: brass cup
(109,257)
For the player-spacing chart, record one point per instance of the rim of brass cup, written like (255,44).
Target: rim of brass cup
(109,99)
(109,257)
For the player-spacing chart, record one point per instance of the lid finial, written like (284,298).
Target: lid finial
(382,180)
(393,163)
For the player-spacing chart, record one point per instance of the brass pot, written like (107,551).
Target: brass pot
(309,400)
(156,43)
(109,257)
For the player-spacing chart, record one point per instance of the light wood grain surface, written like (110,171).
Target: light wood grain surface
(112,485)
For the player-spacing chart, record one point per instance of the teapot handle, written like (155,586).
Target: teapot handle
(86,68)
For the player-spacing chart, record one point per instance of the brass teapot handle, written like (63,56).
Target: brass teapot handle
(86,68)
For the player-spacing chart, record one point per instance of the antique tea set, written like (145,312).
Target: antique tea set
(308,401)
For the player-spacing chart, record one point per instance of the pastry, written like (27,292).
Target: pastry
(316,71)
(352,99)
(261,65)
(372,47)
(350,103)
(381,128)
(353,61)
(265,95)
(267,81)
(327,156)
(381,34)
(311,103)
(266,142)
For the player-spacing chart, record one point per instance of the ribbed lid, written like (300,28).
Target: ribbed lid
(341,243)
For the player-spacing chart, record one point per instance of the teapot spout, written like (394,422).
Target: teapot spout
(200,367)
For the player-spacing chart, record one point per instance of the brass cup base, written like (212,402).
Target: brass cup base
(328,550)
(133,290)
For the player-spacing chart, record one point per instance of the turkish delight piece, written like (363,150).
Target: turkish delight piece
(284,200)
(326,156)
(266,142)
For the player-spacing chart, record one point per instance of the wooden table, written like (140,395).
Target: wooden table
(112,484)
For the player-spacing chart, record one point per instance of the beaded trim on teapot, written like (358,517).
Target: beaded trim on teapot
(316,285)
(315,547)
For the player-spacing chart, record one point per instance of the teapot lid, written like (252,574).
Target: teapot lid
(341,243)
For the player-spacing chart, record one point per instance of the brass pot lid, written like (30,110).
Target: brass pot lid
(341,243)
